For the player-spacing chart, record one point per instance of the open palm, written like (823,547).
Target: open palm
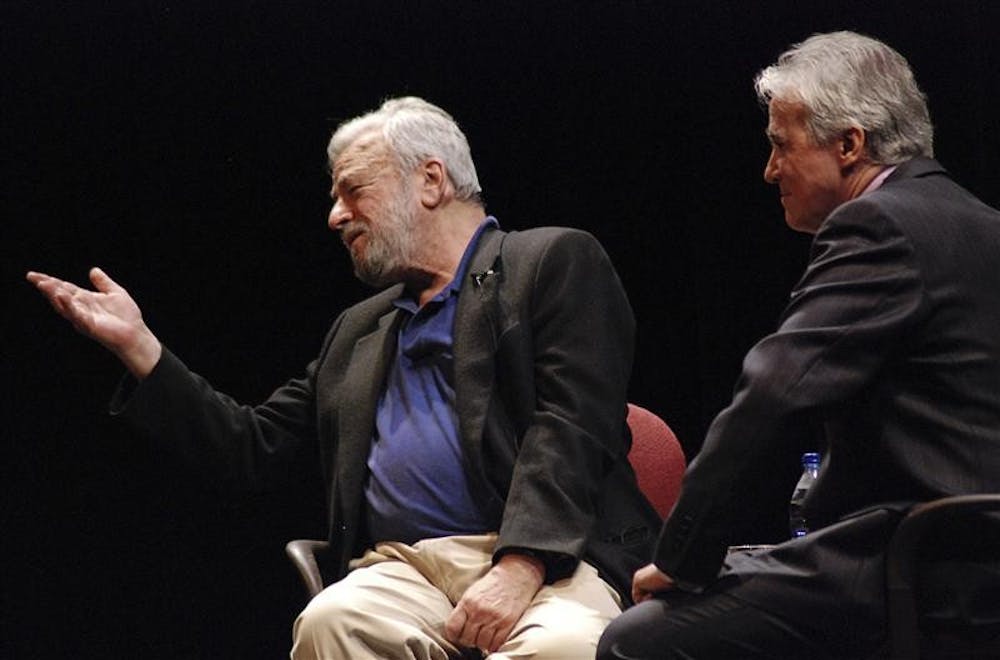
(108,315)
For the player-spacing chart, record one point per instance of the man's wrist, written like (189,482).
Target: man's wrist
(142,358)
(525,560)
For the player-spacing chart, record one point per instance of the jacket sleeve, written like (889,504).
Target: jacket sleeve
(860,295)
(241,447)
(582,333)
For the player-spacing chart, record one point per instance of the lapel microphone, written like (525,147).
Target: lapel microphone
(494,270)
(479,278)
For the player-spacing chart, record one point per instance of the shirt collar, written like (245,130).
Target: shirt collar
(405,301)
(879,179)
(456,283)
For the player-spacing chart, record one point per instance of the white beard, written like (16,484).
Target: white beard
(390,249)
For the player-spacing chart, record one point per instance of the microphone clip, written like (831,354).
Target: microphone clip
(479,278)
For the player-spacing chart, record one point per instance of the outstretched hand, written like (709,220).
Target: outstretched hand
(107,315)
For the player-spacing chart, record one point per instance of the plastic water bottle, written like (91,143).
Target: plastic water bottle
(797,523)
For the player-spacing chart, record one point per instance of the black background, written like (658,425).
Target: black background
(180,145)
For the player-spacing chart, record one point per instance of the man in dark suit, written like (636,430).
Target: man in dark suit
(890,343)
(469,420)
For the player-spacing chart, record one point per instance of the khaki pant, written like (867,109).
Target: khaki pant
(397,597)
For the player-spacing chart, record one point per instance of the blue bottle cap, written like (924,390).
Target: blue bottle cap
(810,458)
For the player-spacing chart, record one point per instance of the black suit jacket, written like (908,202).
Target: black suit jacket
(543,344)
(890,343)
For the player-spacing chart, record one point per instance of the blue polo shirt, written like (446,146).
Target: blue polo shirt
(416,485)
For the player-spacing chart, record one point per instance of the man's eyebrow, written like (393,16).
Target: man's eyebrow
(349,171)
(339,178)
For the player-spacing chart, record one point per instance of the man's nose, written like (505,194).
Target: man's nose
(771,169)
(339,214)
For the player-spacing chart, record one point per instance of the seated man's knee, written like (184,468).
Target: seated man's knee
(559,644)
(626,635)
(322,619)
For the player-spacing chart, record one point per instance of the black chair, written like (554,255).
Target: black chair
(303,553)
(907,639)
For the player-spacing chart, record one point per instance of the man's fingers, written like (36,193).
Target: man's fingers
(470,634)
(64,298)
(484,638)
(492,643)
(465,632)
(58,293)
(52,287)
(102,282)
(455,624)
(44,283)
(35,278)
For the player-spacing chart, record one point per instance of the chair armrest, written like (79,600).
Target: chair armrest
(901,563)
(303,553)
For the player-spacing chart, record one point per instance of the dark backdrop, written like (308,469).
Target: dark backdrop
(180,145)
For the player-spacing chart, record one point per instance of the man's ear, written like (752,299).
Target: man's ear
(852,146)
(434,184)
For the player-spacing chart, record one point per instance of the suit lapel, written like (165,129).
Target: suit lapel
(362,385)
(475,337)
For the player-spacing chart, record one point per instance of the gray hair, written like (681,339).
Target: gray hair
(414,131)
(849,80)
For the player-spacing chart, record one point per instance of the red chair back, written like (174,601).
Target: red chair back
(657,458)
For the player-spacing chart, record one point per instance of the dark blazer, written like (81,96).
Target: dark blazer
(890,343)
(543,345)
